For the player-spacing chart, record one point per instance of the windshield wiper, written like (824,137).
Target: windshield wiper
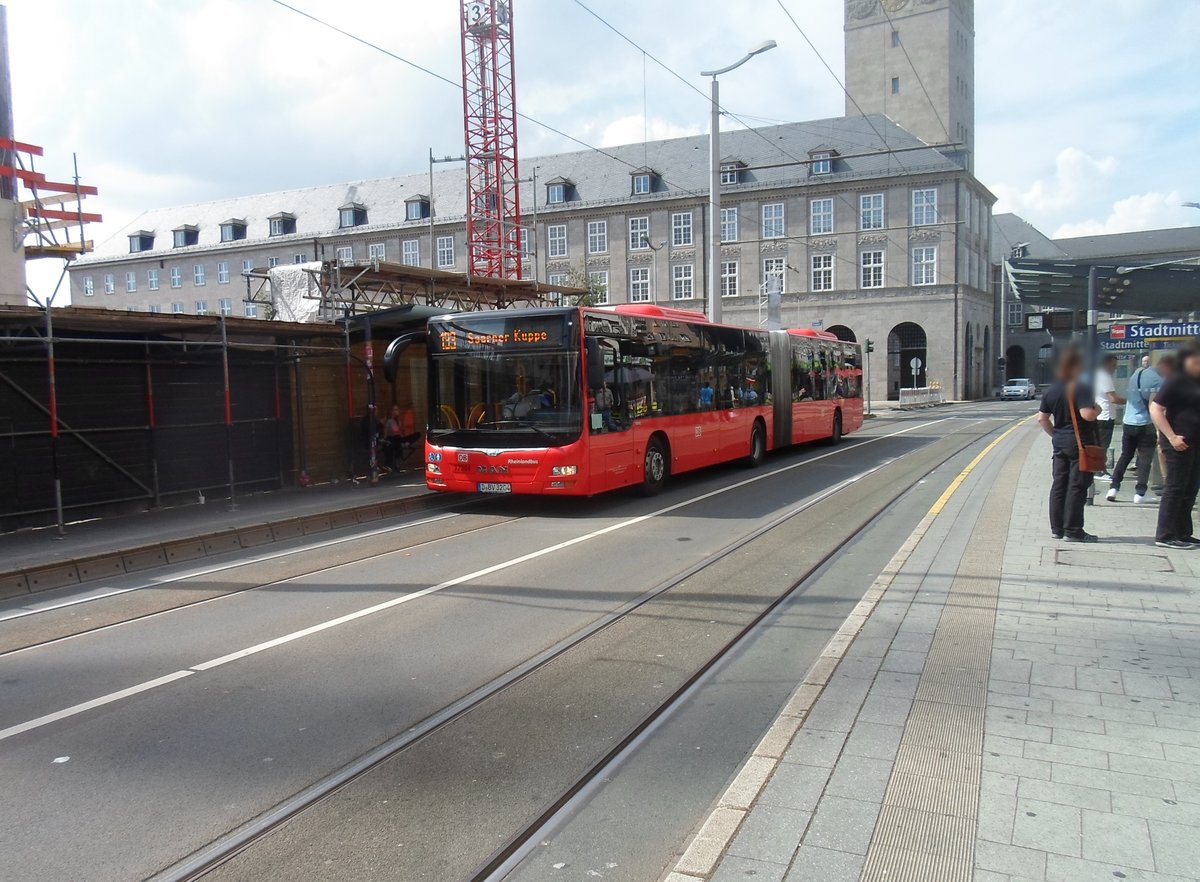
(527,425)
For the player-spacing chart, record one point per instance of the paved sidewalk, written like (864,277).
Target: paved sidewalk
(1002,707)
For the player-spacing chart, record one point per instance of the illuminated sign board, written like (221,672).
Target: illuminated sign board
(497,333)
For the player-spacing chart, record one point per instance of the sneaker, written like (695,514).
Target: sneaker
(1111,495)
(1081,536)
(1192,541)
(1102,476)
(1172,543)
(1056,535)
(1139,498)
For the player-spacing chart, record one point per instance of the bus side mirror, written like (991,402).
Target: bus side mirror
(595,364)
(391,358)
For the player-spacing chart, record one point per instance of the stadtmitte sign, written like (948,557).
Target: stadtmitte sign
(1160,331)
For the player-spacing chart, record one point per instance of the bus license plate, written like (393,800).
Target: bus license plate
(495,488)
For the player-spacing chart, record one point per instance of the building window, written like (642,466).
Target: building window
(198,274)
(282,224)
(1016,314)
(820,216)
(345,255)
(352,215)
(871,264)
(773,269)
(822,163)
(201,307)
(598,282)
(155,308)
(895,39)
(924,265)
(730,172)
(225,306)
(410,252)
(297,258)
(445,251)
(639,233)
(233,230)
(556,194)
(729,224)
(639,285)
(223,273)
(89,286)
(556,240)
(682,282)
(681,229)
(924,207)
(110,284)
(416,209)
(597,237)
(130,283)
(870,211)
(377,251)
(272,262)
(176,277)
(140,241)
(152,279)
(555,298)
(250,310)
(729,278)
(772,221)
(822,273)
(641,184)
(185,236)
(176,309)
(895,85)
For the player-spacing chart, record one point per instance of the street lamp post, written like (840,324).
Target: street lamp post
(714,170)
(654,266)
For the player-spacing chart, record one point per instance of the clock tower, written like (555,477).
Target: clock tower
(914,60)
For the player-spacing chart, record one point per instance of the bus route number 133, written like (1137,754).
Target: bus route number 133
(449,340)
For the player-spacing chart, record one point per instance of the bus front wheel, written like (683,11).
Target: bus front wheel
(656,468)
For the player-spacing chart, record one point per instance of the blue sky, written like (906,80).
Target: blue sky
(1088,113)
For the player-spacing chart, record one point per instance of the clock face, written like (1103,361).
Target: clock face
(1036,322)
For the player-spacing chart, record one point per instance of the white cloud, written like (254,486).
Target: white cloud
(1076,176)
(1147,211)
(629,130)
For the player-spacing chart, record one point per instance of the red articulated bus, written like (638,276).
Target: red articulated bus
(580,400)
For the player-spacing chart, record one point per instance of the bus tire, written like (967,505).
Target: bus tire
(835,435)
(657,467)
(758,446)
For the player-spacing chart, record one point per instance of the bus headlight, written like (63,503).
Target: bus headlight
(433,468)
(564,471)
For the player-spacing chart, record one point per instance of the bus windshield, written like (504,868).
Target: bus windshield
(504,386)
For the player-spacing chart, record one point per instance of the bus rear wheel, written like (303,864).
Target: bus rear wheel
(655,476)
(835,435)
(758,447)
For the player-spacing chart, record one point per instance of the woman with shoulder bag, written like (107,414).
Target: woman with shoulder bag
(1067,414)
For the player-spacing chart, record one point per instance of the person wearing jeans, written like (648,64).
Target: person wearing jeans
(1176,412)
(1106,398)
(1139,436)
(1069,485)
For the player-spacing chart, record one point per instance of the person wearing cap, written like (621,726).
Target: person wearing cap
(1175,411)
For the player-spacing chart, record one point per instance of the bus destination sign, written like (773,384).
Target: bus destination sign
(479,333)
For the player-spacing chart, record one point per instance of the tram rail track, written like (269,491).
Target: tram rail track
(219,853)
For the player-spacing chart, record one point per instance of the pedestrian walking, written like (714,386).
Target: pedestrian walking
(1068,410)
(1139,437)
(1107,399)
(1175,410)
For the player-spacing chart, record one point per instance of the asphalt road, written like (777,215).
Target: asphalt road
(137,728)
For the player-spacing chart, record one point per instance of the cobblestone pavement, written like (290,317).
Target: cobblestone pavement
(1013,708)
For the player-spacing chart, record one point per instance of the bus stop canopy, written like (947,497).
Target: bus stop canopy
(1157,289)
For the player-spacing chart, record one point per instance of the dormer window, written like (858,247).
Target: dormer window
(645,181)
(821,162)
(142,240)
(186,235)
(559,191)
(352,214)
(282,224)
(233,229)
(416,208)
(731,172)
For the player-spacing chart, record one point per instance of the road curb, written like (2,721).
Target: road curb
(138,558)
(706,848)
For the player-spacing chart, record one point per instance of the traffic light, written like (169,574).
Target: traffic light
(870,345)
(1000,362)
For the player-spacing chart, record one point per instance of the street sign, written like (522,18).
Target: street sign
(1140,336)
(915,364)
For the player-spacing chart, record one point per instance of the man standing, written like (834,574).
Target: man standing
(1139,435)
(1067,403)
(1106,397)
(1175,410)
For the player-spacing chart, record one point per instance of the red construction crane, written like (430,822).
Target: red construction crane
(494,234)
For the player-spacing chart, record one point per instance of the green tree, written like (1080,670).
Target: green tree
(597,291)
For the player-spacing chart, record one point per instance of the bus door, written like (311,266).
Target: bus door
(609,426)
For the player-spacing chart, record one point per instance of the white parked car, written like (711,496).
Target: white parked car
(1020,388)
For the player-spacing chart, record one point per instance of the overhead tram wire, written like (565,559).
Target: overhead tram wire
(920,82)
